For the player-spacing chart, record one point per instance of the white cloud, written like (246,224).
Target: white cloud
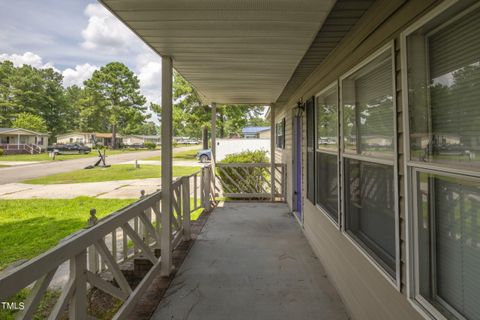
(105,33)
(149,67)
(28,58)
(78,75)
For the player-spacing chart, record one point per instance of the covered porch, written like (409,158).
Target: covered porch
(251,261)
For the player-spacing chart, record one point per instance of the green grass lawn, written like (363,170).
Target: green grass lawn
(180,155)
(62,157)
(113,173)
(3,166)
(32,226)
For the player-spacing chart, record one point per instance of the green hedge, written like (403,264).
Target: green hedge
(1,152)
(252,179)
(150,145)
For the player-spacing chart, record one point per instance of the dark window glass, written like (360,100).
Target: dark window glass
(280,134)
(327,183)
(370,209)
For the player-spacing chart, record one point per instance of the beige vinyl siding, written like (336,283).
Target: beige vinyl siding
(364,289)
(285,155)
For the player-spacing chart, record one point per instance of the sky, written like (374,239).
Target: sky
(75,37)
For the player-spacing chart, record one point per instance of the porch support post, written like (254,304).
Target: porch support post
(166,238)
(272,149)
(214,148)
(18,141)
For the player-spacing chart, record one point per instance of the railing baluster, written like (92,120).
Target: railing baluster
(78,303)
(186,208)
(194,192)
(135,227)
(114,243)
(124,245)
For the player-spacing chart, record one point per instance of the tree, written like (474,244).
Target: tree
(34,91)
(114,92)
(190,115)
(30,122)
(7,106)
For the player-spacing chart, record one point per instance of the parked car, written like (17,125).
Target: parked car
(69,149)
(191,141)
(204,155)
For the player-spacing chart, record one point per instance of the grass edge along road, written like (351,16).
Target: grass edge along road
(113,173)
(62,157)
(188,155)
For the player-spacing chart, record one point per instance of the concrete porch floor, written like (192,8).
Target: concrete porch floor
(251,261)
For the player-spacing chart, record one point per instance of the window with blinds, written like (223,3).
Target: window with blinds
(370,207)
(443,63)
(327,151)
(368,109)
(368,157)
(444,92)
(450,209)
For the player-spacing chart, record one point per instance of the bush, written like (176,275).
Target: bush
(1,152)
(245,179)
(150,145)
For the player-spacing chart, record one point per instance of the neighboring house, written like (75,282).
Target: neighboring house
(256,132)
(18,140)
(86,138)
(140,139)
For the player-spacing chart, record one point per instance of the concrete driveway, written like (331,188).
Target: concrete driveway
(31,171)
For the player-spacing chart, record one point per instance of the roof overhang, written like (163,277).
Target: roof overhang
(232,51)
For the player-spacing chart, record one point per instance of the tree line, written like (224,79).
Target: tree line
(109,101)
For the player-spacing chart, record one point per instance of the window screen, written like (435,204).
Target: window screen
(444,90)
(449,208)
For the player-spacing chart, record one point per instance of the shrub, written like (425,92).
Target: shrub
(150,145)
(1,152)
(245,179)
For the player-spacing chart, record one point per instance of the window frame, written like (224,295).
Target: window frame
(393,161)
(280,139)
(413,167)
(334,85)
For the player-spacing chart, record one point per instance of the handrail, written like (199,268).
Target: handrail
(94,249)
(251,180)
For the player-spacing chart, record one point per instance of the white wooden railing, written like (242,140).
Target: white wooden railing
(30,148)
(104,245)
(251,181)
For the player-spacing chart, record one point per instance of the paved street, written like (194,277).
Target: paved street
(31,171)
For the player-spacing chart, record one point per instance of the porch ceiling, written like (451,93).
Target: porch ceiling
(235,51)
